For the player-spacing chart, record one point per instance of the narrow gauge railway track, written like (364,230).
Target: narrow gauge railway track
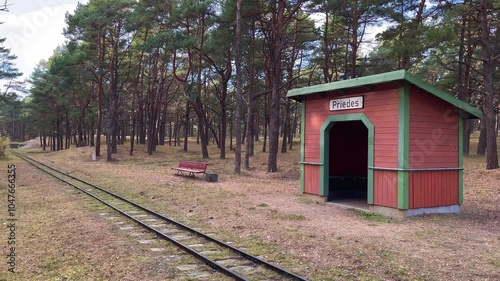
(235,262)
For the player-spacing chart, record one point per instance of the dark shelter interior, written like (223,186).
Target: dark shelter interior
(348,161)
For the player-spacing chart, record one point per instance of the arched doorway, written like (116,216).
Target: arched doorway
(347,142)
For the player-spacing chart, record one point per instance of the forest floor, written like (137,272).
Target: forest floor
(264,213)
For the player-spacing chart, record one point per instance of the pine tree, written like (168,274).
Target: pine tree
(7,65)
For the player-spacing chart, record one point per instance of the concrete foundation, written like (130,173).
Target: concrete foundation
(396,213)
(385,211)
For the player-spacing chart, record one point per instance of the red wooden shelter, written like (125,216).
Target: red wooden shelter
(389,141)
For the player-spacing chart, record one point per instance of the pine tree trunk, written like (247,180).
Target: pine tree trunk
(250,141)
(481,146)
(223,122)
(488,99)
(294,126)
(80,141)
(109,149)
(85,136)
(256,128)
(91,135)
(354,42)
(239,94)
(462,83)
(67,140)
(170,133)
(466,137)
(99,124)
(286,127)
(498,120)
(141,128)
(249,146)
(202,126)
(58,132)
(100,85)
(132,131)
(274,120)
(186,127)
(264,142)
(111,127)
(114,141)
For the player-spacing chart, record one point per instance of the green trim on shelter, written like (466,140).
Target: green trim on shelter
(403,144)
(302,144)
(325,150)
(405,83)
(466,111)
(460,160)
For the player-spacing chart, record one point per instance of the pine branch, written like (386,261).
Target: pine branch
(4,7)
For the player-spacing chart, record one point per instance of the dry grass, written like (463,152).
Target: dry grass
(61,236)
(59,239)
(266,214)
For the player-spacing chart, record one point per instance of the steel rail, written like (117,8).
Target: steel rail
(201,257)
(208,261)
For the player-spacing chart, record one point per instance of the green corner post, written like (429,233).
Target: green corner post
(460,160)
(302,143)
(403,146)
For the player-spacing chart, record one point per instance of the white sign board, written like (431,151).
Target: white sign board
(346,103)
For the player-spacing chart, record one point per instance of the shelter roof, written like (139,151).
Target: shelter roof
(399,76)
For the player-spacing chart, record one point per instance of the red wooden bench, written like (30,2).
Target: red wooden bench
(190,168)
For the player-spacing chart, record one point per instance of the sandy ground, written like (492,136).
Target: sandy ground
(266,214)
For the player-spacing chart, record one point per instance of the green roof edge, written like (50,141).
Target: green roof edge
(467,111)
(465,107)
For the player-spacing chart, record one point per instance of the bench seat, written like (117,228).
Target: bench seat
(190,168)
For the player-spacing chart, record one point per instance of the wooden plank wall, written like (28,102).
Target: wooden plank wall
(433,144)
(311,179)
(433,132)
(381,105)
(432,189)
(385,188)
